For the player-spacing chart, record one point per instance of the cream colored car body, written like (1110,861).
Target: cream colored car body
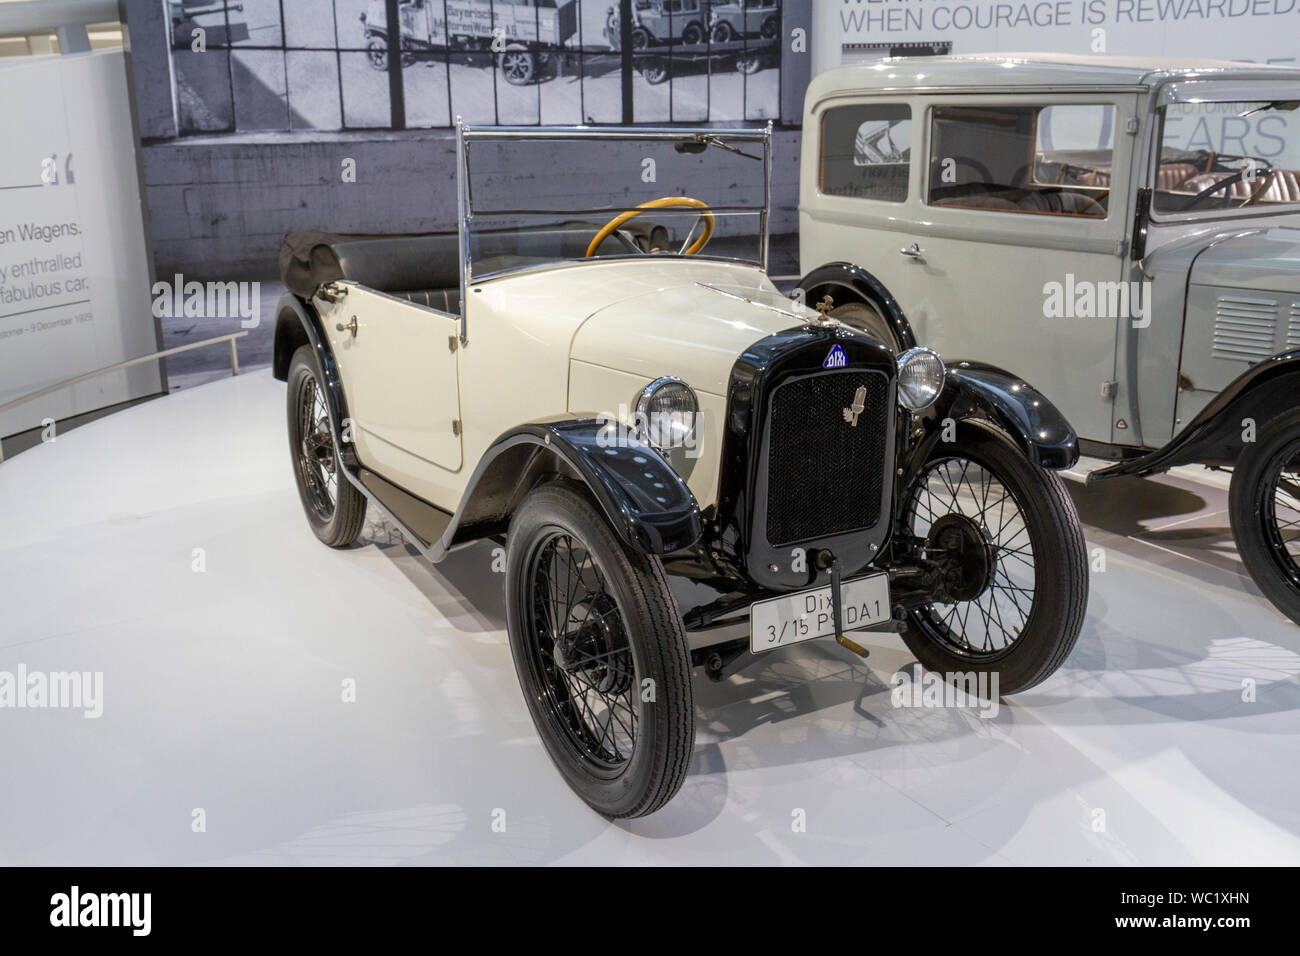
(571,340)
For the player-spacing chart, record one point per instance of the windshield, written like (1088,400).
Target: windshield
(1229,156)
(604,193)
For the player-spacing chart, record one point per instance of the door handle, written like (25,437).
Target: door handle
(350,327)
(912,252)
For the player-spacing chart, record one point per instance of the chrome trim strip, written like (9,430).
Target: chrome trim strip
(462,217)
(767,194)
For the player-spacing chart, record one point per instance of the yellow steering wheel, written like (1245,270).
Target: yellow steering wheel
(666,202)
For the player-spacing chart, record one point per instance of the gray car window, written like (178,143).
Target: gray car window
(866,151)
(1227,156)
(1044,160)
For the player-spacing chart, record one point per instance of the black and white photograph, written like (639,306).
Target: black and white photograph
(323,64)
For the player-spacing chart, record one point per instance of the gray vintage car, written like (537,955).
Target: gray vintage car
(1124,233)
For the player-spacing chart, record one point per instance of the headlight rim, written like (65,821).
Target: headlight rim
(641,410)
(911,355)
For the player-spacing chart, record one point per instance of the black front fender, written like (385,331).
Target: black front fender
(646,502)
(1214,437)
(977,390)
(296,325)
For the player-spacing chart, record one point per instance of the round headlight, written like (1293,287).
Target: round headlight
(920,378)
(665,413)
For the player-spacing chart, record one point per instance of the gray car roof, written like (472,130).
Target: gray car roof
(1030,70)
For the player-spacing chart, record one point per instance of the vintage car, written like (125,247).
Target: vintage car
(733,19)
(614,417)
(657,22)
(523,36)
(1124,233)
(668,33)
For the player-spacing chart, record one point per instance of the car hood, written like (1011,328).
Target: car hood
(694,327)
(1268,260)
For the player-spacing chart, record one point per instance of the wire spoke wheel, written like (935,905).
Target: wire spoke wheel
(1280,509)
(317,462)
(969,519)
(581,655)
(1264,505)
(335,509)
(1003,533)
(600,652)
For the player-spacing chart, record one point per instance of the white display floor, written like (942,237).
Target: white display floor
(222,692)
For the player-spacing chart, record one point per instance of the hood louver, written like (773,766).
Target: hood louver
(1244,328)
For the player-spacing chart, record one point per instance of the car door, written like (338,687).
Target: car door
(1019,250)
(398,364)
(858,188)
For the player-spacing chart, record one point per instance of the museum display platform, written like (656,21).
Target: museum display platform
(268,700)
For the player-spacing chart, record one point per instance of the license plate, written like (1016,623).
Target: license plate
(791,618)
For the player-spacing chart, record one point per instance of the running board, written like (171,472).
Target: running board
(1082,470)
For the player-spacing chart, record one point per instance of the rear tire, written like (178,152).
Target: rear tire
(335,509)
(1265,515)
(594,631)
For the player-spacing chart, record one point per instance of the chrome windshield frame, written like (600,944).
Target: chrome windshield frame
(467,135)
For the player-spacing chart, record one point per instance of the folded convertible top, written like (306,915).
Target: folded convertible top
(308,259)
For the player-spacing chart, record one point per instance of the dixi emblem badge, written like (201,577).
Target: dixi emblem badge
(835,358)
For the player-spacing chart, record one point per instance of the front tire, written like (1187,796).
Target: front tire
(1020,603)
(601,654)
(1264,508)
(335,509)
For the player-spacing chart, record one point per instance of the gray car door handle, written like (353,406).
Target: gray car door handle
(912,252)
